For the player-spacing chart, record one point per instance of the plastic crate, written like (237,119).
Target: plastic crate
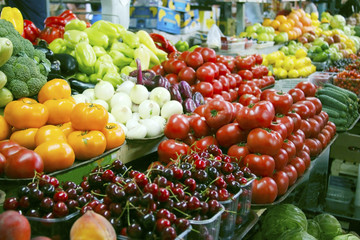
(339,194)
(181,236)
(320,78)
(320,66)
(55,228)
(228,218)
(244,204)
(206,229)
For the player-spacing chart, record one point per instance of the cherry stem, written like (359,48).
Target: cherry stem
(185,214)
(194,230)
(173,195)
(98,194)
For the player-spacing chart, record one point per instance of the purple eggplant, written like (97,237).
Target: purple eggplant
(161,82)
(198,99)
(185,89)
(189,105)
(175,93)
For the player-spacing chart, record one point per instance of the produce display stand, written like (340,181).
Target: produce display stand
(351,126)
(241,232)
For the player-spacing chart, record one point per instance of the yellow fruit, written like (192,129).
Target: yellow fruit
(307,61)
(265,62)
(293,73)
(282,73)
(314,15)
(267,22)
(288,65)
(302,72)
(281,55)
(276,71)
(271,58)
(300,63)
(279,63)
(300,53)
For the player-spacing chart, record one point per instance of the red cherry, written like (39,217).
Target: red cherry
(161,224)
(61,196)
(163,195)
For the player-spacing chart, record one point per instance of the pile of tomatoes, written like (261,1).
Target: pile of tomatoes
(57,129)
(349,79)
(274,137)
(215,76)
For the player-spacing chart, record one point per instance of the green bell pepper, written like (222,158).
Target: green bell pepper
(127,70)
(99,51)
(108,28)
(75,24)
(73,37)
(103,66)
(86,57)
(119,59)
(182,46)
(145,39)
(97,38)
(154,60)
(131,39)
(123,48)
(58,45)
(113,78)
(93,78)
(81,77)
(193,48)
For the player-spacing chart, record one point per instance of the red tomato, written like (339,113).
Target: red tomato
(200,110)
(310,105)
(225,83)
(194,60)
(282,182)
(296,119)
(2,164)
(217,113)
(205,88)
(23,164)
(260,165)
(297,94)
(238,79)
(158,70)
(320,120)
(208,54)
(257,72)
(230,134)
(315,127)
(332,125)
(316,102)
(7,152)
(301,134)
(190,139)
(297,140)
(218,87)
(245,63)
(223,70)
(327,135)
(234,95)
(256,91)
(299,165)
(226,95)
(177,127)
(281,159)
(246,74)
(4,144)
(205,74)
(174,55)
(199,126)
(305,157)
(176,66)
(214,67)
(183,55)
(171,149)
(264,141)
(269,80)
(216,96)
(245,89)
(237,106)
(289,147)
(172,78)
(306,149)
(306,128)
(280,128)
(228,61)
(314,145)
(258,58)
(264,95)
(264,191)
(322,138)
(258,115)
(232,81)
(238,151)
(203,143)
(308,88)
(291,172)
(247,99)
(325,116)
(187,74)
(282,101)
(287,121)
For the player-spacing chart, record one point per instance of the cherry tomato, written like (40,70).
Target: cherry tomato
(246,74)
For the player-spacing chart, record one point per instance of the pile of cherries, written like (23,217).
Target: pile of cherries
(44,197)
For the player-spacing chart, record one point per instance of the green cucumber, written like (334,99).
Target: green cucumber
(350,94)
(333,103)
(339,121)
(334,94)
(331,112)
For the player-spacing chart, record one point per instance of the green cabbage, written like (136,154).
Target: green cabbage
(296,235)
(346,237)
(329,225)
(281,218)
(338,21)
(313,228)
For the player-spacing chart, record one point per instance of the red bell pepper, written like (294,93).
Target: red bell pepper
(68,15)
(162,43)
(49,34)
(54,21)
(31,32)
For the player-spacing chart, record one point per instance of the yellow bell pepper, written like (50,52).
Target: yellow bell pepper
(14,16)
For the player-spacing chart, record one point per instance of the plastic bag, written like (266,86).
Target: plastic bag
(214,37)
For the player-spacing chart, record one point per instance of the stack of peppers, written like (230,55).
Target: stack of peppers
(162,43)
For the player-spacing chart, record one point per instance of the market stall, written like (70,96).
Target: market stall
(170,129)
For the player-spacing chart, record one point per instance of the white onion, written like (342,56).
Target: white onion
(138,132)
(152,127)
(90,94)
(139,93)
(148,108)
(121,113)
(132,123)
(111,119)
(123,128)
(104,90)
(160,120)
(135,107)
(170,108)
(125,87)
(102,103)
(80,98)
(136,116)
(160,95)
(120,98)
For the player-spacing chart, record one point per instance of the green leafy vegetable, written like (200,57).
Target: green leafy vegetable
(329,226)
(296,234)
(314,228)
(346,237)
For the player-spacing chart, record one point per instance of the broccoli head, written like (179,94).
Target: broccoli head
(35,84)
(28,48)
(43,63)
(18,88)
(7,30)
(22,72)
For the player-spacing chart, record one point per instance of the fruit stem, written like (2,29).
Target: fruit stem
(185,214)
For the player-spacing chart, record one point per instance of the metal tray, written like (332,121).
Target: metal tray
(144,139)
(75,165)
